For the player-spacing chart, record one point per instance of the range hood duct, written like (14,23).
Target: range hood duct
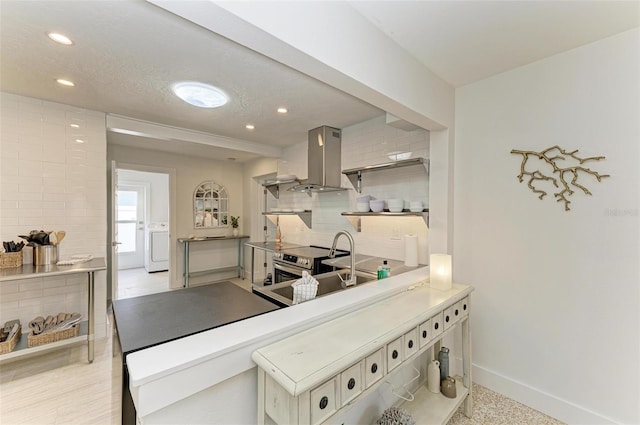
(323,161)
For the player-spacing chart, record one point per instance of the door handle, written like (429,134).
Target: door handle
(115,243)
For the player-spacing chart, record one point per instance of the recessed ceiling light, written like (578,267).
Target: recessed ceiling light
(250,126)
(79,141)
(74,125)
(65,82)
(200,94)
(282,110)
(59,38)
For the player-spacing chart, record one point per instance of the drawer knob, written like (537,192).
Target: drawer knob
(394,355)
(436,326)
(352,383)
(374,368)
(446,319)
(424,334)
(464,307)
(456,312)
(410,345)
(323,402)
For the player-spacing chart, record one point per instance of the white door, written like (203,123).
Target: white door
(130,225)
(114,231)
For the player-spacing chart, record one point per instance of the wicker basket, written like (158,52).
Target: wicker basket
(8,345)
(10,259)
(46,338)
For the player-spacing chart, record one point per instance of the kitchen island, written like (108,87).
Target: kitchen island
(146,321)
(210,377)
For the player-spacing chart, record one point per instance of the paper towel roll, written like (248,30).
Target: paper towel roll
(411,250)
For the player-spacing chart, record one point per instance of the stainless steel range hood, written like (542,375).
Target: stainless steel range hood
(323,161)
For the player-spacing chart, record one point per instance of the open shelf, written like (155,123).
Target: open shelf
(385,213)
(355,216)
(355,174)
(273,186)
(432,408)
(22,349)
(305,215)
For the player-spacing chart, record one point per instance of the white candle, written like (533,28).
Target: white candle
(440,271)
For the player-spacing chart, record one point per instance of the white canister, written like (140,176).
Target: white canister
(433,376)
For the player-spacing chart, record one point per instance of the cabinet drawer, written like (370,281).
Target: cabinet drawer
(373,369)
(425,332)
(463,306)
(323,401)
(447,317)
(394,354)
(411,343)
(436,325)
(351,383)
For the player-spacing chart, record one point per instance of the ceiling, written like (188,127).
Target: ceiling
(127,53)
(467,41)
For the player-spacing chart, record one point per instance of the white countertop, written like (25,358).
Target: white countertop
(207,358)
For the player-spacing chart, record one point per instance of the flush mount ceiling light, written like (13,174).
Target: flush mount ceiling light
(79,141)
(200,94)
(65,82)
(60,38)
(250,127)
(74,125)
(282,110)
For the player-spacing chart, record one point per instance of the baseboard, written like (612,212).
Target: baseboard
(548,404)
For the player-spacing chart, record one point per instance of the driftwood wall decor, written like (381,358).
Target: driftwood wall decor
(564,178)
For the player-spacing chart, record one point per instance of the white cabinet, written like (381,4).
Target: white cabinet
(426,333)
(436,325)
(323,401)
(351,383)
(410,343)
(310,377)
(394,354)
(373,368)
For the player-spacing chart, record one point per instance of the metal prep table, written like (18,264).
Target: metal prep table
(187,241)
(30,271)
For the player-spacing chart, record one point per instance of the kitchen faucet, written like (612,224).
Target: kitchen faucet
(352,248)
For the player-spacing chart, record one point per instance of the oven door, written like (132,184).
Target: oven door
(283,272)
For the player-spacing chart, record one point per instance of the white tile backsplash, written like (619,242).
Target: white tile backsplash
(49,181)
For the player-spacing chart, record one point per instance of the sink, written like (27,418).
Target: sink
(328,283)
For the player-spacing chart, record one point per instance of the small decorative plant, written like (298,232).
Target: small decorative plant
(234,222)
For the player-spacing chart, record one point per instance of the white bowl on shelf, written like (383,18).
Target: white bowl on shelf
(376,205)
(362,206)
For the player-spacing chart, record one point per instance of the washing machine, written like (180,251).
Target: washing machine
(156,250)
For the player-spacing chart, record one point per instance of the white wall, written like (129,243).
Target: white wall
(366,143)
(556,306)
(190,172)
(51,182)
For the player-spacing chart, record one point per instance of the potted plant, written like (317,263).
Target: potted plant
(235,224)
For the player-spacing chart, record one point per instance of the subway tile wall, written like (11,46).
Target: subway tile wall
(366,143)
(53,177)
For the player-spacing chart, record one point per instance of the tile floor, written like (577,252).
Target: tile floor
(137,282)
(60,387)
